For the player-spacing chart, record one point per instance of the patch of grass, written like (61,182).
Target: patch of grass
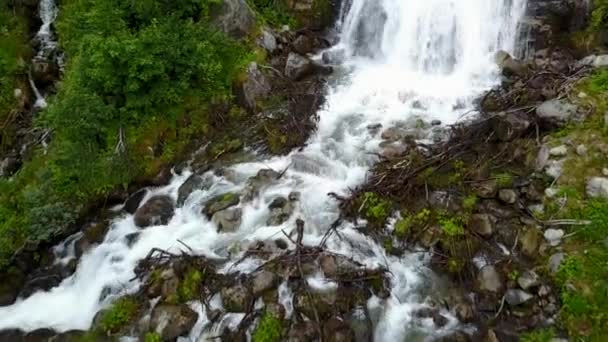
(269,329)
(513,275)
(469,202)
(451,226)
(274,12)
(152,337)
(119,315)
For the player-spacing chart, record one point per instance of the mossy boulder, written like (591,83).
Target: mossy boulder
(221,202)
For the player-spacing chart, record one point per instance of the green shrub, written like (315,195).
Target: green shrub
(375,208)
(152,337)
(119,315)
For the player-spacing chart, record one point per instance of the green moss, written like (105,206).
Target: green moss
(189,287)
(122,312)
(269,329)
(451,226)
(544,335)
(152,337)
(469,202)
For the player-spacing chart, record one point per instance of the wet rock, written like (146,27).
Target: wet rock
(483,224)
(298,67)
(556,112)
(172,321)
(486,189)
(497,209)
(39,335)
(262,282)
(516,297)
(335,329)
(554,236)
(457,336)
(334,265)
(12,281)
(528,280)
(530,242)
(235,18)
(333,56)
(559,151)
(255,88)
(158,210)
(393,134)
(228,220)
(219,203)
(597,187)
(394,151)
(262,179)
(268,41)
(11,335)
(509,65)
(133,202)
(508,196)
(44,71)
(236,298)
(555,262)
(438,319)
(280,211)
(511,125)
(303,44)
(302,332)
(361,325)
(435,122)
(489,279)
(194,182)
(9,166)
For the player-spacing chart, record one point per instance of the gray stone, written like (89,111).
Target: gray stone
(554,168)
(555,261)
(508,196)
(551,192)
(303,44)
(298,67)
(235,18)
(556,112)
(256,87)
(262,282)
(516,297)
(597,187)
(559,151)
(483,224)
(554,236)
(8,166)
(333,56)
(157,210)
(530,241)
(228,220)
(268,41)
(219,203)
(134,200)
(509,65)
(594,61)
(489,279)
(280,211)
(236,298)
(171,321)
(542,158)
(435,122)
(528,279)
(511,125)
(581,150)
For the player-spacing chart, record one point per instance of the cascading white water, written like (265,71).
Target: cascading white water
(405,59)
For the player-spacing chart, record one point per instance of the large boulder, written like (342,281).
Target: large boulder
(556,112)
(219,203)
(489,279)
(256,87)
(281,209)
(134,200)
(236,298)
(158,210)
(228,220)
(194,182)
(510,66)
(172,321)
(235,18)
(298,67)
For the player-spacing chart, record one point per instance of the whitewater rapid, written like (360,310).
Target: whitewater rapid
(404,60)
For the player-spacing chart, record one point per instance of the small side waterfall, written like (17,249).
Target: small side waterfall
(46,56)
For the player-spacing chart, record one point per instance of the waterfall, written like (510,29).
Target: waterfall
(404,60)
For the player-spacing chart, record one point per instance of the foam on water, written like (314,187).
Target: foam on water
(405,59)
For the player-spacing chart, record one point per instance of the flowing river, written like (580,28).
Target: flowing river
(404,60)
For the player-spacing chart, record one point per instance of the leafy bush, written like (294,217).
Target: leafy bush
(119,315)
(599,18)
(376,209)
(268,329)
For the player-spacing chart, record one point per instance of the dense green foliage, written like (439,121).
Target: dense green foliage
(600,14)
(13,51)
(275,12)
(139,78)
